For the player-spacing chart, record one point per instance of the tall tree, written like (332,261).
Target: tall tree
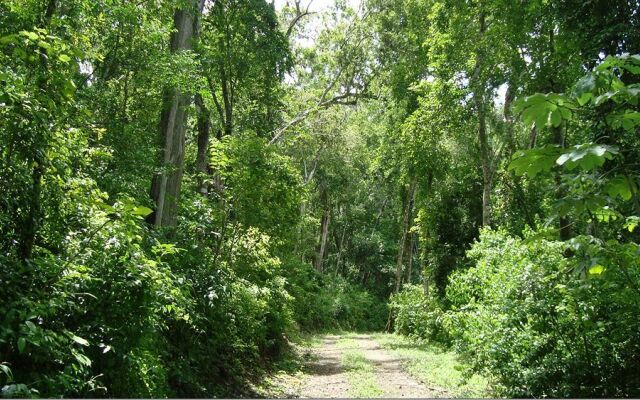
(166,184)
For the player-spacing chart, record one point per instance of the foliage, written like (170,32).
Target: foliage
(544,325)
(418,315)
(318,161)
(326,302)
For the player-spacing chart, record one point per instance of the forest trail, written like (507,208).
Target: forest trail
(357,366)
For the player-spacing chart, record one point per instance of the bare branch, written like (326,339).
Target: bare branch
(341,99)
(300,13)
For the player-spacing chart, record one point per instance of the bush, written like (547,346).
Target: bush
(326,302)
(240,312)
(542,325)
(418,315)
(75,320)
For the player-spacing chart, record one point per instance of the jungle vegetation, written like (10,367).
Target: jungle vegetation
(186,186)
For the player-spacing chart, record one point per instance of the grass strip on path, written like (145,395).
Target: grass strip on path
(435,367)
(360,371)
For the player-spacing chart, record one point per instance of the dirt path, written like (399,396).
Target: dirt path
(328,376)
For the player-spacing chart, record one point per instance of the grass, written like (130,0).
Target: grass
(435,367)
(360,372)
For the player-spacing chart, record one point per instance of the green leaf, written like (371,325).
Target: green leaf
(30,35)
(555,118)
(585,87)
(596,270)
(142,211)
(534,161)
(8,39)
(44,45)
(587,156)
(632,222)
(7,371)
(606,214)
(64,58)
(584,98)
(78,339)
(31,326)
(22,343)
(619,186)
(82,359)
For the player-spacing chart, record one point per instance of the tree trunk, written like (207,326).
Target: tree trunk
(401,245)
(403,237)
(324,234)
(340,249)
(479,99)
(228,103)
(410,245)
(508,118)
(559,139)
(204,131)
(564,223)
(31,221)
(165,187)
(30,224)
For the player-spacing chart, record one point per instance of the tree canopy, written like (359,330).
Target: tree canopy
(187,186)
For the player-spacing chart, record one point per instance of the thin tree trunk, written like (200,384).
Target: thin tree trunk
(401,247)
(30,224)
(324,234)
(403,237)
(204,131)
(425,246)
(533,137)
(410,245)
(564,222)
(340,249)
(228,104)
(425,281)
(559,139)
(165,187)
(479,99)
(508,118)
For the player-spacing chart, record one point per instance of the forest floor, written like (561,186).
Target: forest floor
(373,365)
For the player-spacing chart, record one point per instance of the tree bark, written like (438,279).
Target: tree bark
(508,118)
(403,237)
(479,99)
(166,184)
(564,222)
(228,103)
(30,224)
(340,250)
(410,244)
(322,245)
(204,131)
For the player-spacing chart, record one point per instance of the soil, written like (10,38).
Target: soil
(326,377)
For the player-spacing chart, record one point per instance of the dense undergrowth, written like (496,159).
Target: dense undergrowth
(523,316)
(549,316)
(187,186)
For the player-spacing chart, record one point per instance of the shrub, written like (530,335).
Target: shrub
(331,302)
(418,315)
(543,325)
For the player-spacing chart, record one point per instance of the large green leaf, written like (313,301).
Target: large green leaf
(587,156)
(619,186)
(584,89)
(22,343)
(534,161)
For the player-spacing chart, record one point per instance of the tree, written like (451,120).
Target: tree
(166,184)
